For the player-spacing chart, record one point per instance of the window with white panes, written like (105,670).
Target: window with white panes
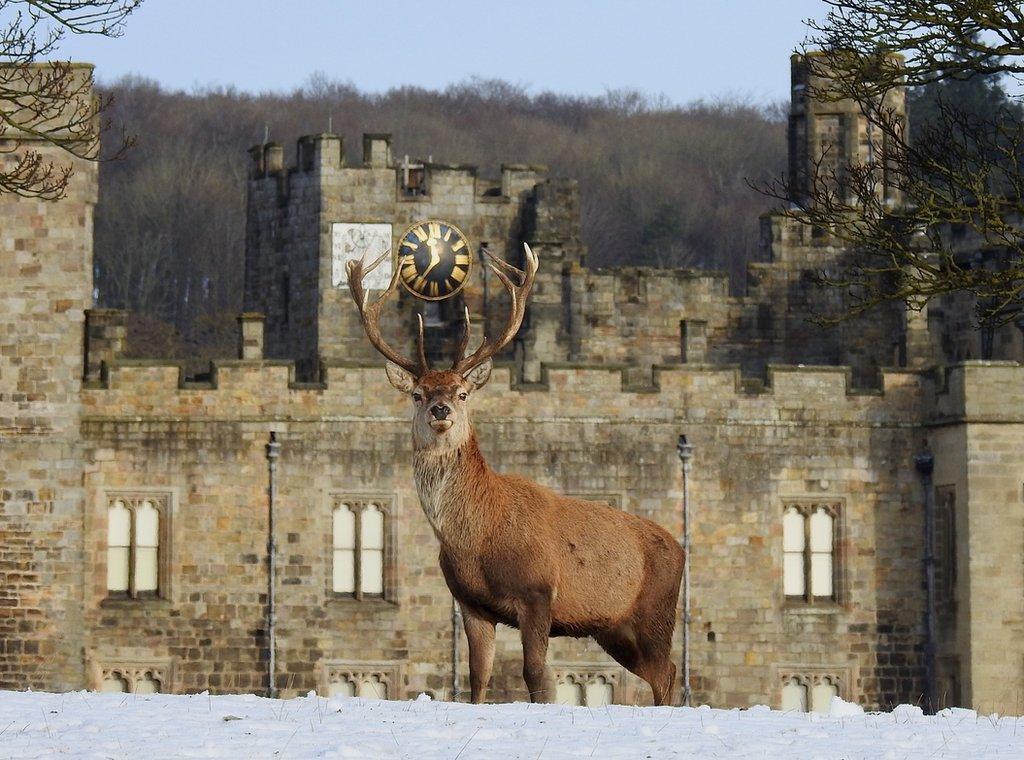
(809,558)
(586,687)
(366,681)
(359,529)
(134,678)
(136,543)
(809,692)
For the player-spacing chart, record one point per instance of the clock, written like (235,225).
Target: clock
(433,259)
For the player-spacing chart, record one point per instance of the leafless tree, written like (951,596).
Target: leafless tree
(49,101)
(958,178)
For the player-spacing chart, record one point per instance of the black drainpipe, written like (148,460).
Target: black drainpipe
(925,465)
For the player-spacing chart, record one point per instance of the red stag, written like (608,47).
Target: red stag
(513,551)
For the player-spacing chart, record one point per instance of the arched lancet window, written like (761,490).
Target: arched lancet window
(569,692)
(809,552)
(372,687)
(359,543)
(344,581)
(341,688)
(114,683)
(147,683)
(821,534)
(119,542)
(135,531)
(147,546)
(794,695)
(822,693)
(371,552)
(599,692)
(793,552)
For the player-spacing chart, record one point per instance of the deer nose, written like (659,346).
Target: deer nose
(440,411)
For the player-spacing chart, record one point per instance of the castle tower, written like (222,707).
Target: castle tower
(827,135)
(46,268)
(305,222)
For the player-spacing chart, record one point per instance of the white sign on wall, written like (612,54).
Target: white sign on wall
(360,241)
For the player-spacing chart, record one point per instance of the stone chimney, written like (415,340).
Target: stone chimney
(106,334)
(377,150)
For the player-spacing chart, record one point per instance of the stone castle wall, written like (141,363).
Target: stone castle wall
(610,367)
(805,437)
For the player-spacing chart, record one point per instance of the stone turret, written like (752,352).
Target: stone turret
(306,221)
(826,135)
(46,268)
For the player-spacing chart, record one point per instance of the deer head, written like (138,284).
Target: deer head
(440,397)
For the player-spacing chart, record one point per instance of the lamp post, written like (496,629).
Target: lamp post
(685,450)
(456,655)
(924,463)
(273,451)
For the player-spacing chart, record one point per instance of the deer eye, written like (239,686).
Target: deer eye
(417,397)
(462,397)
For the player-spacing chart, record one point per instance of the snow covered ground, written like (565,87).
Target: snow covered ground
(89,725)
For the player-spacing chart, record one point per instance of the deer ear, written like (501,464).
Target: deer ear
(402,380)
(479,375)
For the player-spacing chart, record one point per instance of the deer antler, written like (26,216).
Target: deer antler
(517,293)
(369,313)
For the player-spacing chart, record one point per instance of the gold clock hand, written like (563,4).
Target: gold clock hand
(435,257)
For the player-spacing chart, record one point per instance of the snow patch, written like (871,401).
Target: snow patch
(37,725)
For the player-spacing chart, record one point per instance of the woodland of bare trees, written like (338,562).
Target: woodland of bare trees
(661,184)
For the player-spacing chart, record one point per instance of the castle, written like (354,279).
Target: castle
(140,508)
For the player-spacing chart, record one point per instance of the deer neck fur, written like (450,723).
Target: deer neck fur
(454,483)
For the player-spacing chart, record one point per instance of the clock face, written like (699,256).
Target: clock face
(433,260)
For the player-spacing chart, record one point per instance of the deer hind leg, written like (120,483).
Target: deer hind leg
(646,656)
(534,629)
(660,672)
(654,624)
(480,634)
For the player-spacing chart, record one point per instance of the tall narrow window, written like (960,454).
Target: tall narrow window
(945,547)
(821,533)
(119,543)
(809,551)
(360,548)
(344,550)
(793,544)
(135,528)
(147,546)
(371,552)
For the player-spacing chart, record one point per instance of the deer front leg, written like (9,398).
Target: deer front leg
(535,628)
(480,634)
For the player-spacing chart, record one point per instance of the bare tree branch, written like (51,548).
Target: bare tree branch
(957,179)
(50,102)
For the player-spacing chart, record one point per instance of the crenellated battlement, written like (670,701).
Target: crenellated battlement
(978,391)
(323,154)
(245,389)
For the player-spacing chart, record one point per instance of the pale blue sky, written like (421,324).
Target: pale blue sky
(685,49)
